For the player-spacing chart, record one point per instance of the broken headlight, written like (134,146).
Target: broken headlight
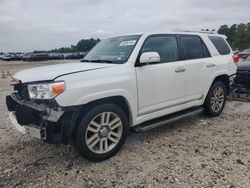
(45,90)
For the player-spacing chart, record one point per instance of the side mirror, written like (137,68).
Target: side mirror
(149,57)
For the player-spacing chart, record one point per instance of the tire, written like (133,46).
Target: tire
(216,99)
(101,133)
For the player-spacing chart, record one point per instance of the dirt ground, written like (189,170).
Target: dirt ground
(193,152)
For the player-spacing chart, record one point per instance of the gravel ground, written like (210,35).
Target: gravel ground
(193,152)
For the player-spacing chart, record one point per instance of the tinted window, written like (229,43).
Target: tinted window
(192,47)
(220,44)
(166,46)
(205,51)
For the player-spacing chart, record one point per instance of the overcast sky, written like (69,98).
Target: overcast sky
(27,25)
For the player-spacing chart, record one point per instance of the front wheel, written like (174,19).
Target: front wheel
(216,99)
(101,133)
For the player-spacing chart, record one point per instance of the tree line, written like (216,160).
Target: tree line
(238,36)
(83,45)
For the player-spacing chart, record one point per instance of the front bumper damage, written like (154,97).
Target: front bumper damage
(44,120)
(32,130)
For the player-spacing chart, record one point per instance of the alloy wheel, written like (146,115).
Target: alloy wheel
(217,99)
(104,132)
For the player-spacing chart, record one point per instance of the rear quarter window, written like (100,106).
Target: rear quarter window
(220,44)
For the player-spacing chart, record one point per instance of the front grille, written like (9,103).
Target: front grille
(243,77)
(22,91)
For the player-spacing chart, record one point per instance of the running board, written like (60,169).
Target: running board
(151,124)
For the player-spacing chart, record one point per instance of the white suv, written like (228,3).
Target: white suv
(132,82)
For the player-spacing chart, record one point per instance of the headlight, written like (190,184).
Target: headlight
(45,90)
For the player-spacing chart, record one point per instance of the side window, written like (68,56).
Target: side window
(193,47)
(205,50)
(220,44)
(166,46)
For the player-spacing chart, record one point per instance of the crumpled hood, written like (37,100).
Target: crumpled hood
(51,72)
(245,65)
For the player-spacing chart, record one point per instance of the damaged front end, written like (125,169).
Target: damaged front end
(43,119)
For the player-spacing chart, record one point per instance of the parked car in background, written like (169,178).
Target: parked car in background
(41,56)
(55,56)
(11,57)
(26,56)
(247,60)
(244,54)
(236,51)
(36,57)
(75,55)
(242,79)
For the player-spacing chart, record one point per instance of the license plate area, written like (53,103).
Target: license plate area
(35,131)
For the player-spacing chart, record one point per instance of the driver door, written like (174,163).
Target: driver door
(161,85)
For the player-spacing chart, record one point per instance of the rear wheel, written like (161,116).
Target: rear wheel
(216,99)
(101,132)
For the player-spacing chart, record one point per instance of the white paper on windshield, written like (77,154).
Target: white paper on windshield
(128,43)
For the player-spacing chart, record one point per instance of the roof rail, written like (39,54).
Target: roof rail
(202,31)
(208,32)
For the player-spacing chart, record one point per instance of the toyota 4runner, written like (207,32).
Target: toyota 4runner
(133,82)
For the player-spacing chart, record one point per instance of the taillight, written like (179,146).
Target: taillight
(236,59)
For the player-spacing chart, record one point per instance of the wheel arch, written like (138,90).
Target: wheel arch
(117,100)
(224,78)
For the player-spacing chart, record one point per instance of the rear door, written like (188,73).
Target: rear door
(199,66)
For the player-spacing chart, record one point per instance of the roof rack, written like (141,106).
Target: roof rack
(208,32)
(190,31)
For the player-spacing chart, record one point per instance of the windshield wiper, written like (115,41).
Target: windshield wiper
(101,61)
(97,61)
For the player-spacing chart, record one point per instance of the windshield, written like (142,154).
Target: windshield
(247,50)
(112,50)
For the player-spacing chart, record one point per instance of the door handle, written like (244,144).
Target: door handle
(180,69)
(210,65)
